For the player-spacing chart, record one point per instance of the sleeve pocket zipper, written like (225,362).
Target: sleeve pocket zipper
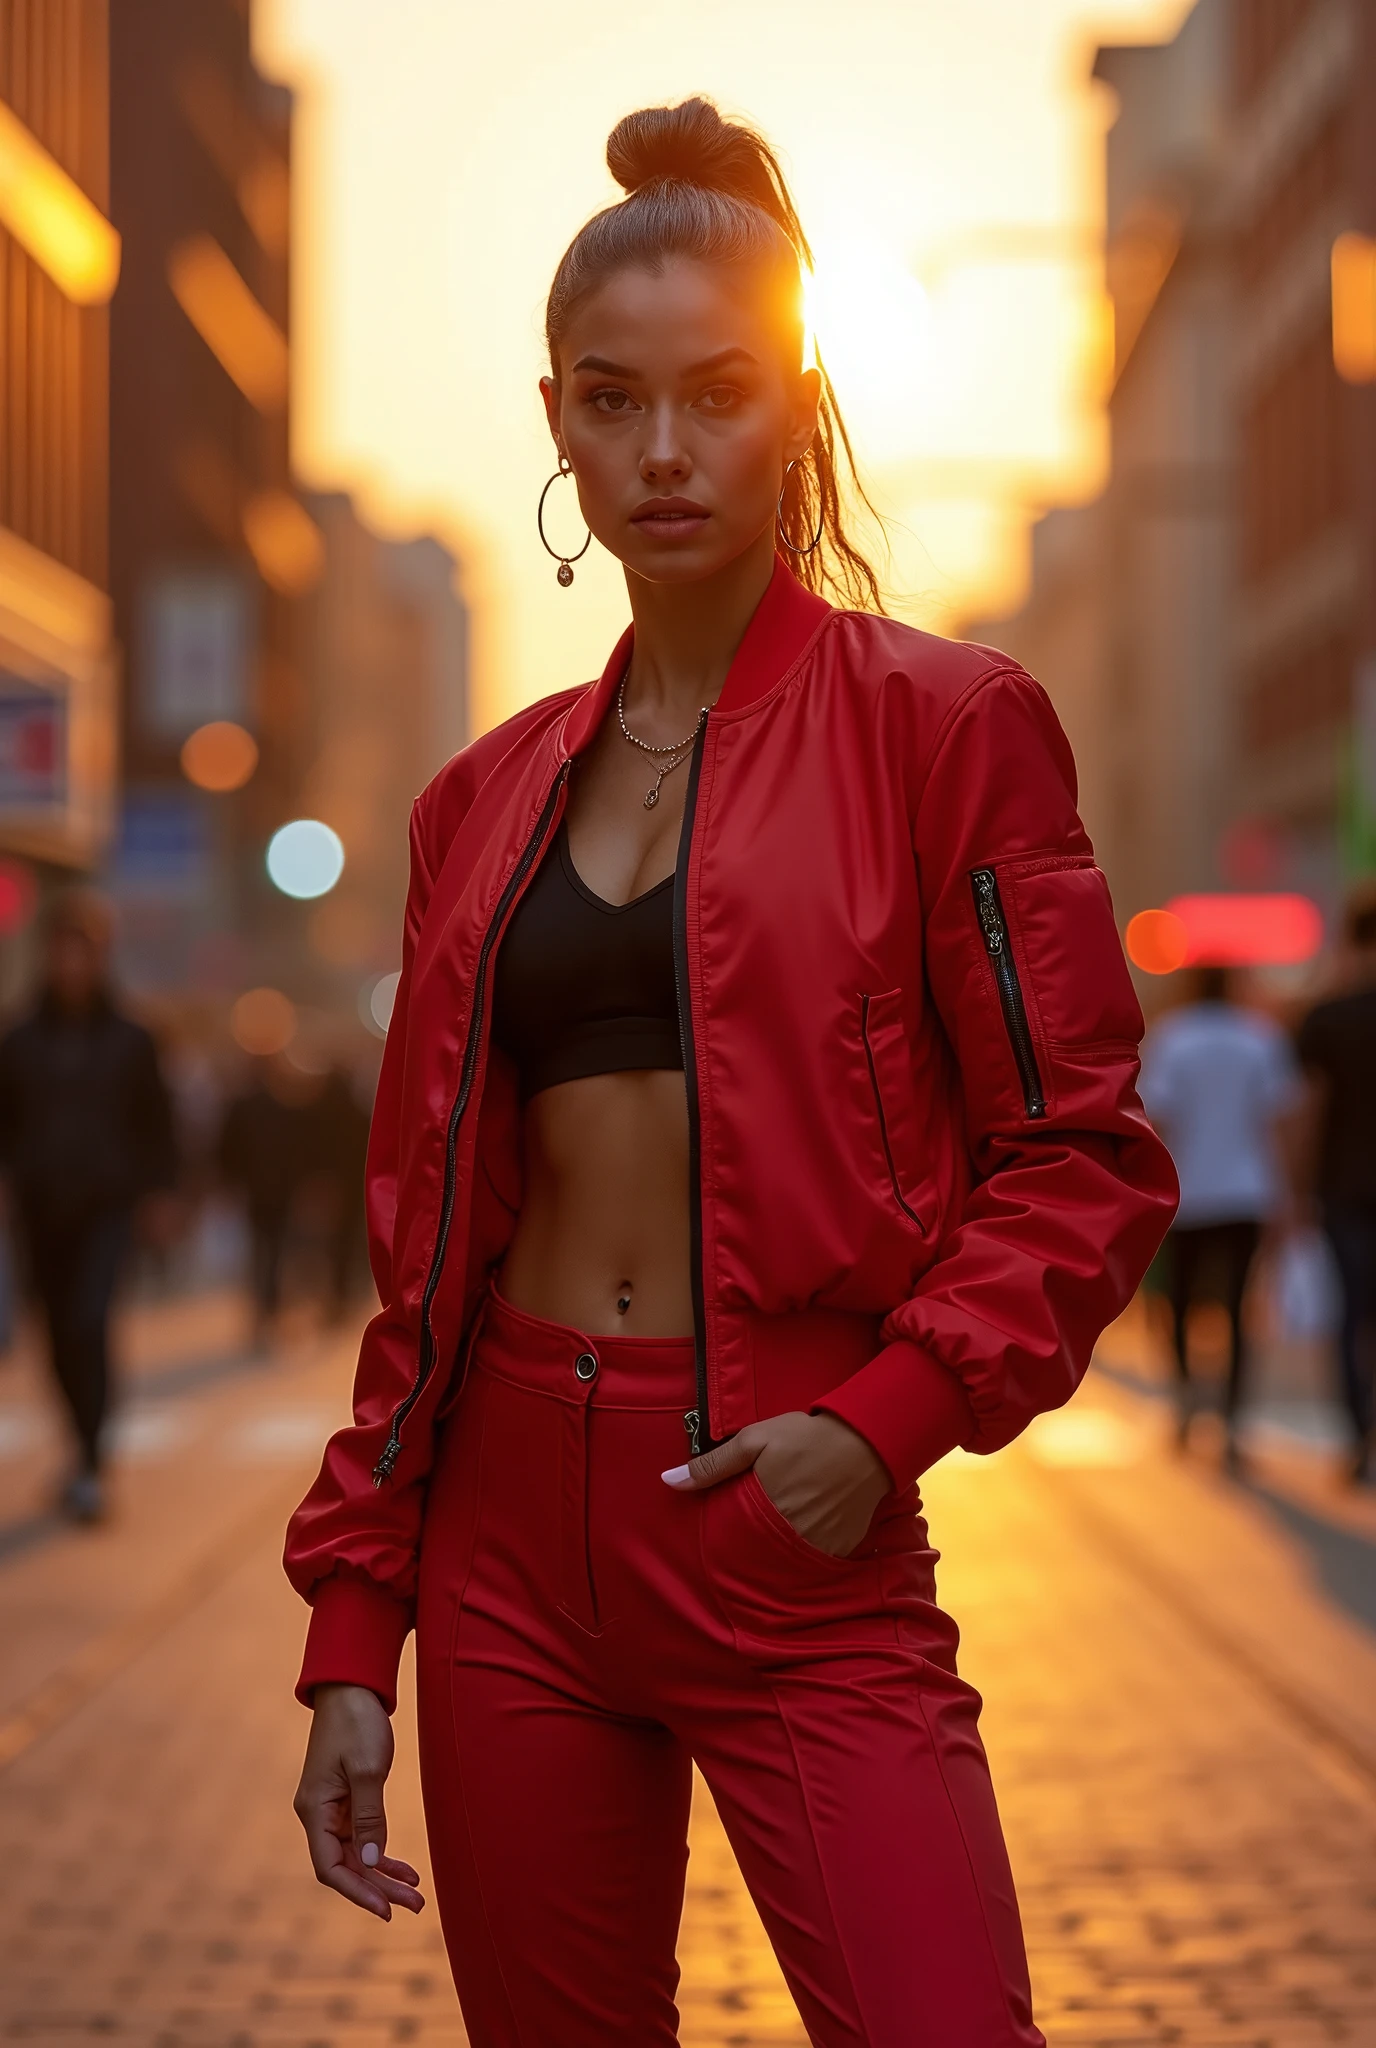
(994,929)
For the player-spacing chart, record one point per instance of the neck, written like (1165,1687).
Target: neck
(687,633)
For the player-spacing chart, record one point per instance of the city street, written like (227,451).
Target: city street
(1182,1723)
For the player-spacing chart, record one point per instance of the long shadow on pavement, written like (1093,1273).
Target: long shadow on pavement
(1344,1561)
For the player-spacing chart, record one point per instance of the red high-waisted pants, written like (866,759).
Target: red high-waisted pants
(585,1632)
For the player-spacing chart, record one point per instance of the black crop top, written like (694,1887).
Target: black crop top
(584,986)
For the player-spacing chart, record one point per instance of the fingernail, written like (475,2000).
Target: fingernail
(370,1853)
(677,1475)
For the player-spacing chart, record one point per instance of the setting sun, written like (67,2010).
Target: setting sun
(871,322)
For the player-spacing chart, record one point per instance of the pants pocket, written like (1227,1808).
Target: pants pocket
(781,1594)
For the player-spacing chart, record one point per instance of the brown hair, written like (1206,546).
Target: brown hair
(711,190)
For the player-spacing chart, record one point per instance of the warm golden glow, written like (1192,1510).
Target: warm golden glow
(263,1021)
(285,542)
(870,321)
(264,190)
(219,756)
(1354,308)
(246,341)
(49,215)
(947,162)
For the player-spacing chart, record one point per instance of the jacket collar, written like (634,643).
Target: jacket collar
(784,621)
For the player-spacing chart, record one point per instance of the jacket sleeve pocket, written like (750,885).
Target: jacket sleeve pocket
(1054,966)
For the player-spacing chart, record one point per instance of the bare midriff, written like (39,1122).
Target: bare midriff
(602,1240)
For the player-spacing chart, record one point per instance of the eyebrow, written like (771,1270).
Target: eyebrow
(716,362)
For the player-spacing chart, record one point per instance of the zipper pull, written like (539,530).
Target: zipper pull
(990,919)
(692,1422)
(391,1451)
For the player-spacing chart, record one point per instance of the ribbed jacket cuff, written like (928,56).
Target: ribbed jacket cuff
(355,1637)
(908,1408)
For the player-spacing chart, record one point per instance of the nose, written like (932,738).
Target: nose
(663,457)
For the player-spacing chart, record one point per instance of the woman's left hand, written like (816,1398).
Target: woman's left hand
(820,1473)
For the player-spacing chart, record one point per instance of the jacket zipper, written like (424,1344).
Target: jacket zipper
(697,1420)
(391,1450)
(994,927)
(906,1207)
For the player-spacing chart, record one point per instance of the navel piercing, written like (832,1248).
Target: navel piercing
(623,1301)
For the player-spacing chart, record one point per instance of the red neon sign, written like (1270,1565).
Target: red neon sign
(1225,931)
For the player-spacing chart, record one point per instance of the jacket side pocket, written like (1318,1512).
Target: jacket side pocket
(887,1056)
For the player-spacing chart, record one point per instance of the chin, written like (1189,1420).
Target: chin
(682,562)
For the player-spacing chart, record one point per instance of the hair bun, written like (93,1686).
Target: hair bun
(691,144)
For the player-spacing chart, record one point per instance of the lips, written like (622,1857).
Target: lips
(671,518)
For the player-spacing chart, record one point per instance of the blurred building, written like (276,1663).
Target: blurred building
(1061,635)
(59,260)
(211,548)
(1208,625)
(385,652)
(1301,175)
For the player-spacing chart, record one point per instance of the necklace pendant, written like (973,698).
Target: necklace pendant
(653,798)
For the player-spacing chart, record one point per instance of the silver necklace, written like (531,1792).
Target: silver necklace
(674,754)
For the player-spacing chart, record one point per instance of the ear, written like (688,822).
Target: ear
(807,398)
(549,392)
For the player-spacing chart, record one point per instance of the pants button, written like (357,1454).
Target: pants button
(585,1366)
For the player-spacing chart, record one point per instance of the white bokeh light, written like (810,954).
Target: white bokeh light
(305,858)
(375,1002)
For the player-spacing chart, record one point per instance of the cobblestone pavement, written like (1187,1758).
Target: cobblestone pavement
(1182,1726)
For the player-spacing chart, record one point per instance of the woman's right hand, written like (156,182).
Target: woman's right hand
(339,1801)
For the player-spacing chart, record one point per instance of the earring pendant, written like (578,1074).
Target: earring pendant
(564,572)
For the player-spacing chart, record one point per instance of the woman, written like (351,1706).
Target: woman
(763,1029)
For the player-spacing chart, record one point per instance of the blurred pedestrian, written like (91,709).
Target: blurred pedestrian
(340,1154)
(86,1136)
(266,1152)
(1218,1081)
(1337,1046)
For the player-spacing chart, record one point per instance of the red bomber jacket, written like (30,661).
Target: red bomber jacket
(922,1182)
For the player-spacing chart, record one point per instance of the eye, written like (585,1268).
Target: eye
(720,398)
(610,399)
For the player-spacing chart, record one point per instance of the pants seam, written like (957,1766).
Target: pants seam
(999,1979)
(459,1775)
(709,1584)
(839,1938)
(477,1875)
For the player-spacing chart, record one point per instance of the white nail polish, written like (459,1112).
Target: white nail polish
(677,1475)
(370,1853)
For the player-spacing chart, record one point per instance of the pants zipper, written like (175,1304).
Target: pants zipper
(391,1450)
(994,928)
(697,1420)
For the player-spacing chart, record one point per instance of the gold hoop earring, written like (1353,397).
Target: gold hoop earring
(566,562)
(815,542)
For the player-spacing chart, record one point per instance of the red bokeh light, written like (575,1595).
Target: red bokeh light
(1225,931)
(18,895)
(1157,941)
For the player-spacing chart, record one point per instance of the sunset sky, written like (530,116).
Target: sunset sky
(446,153)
